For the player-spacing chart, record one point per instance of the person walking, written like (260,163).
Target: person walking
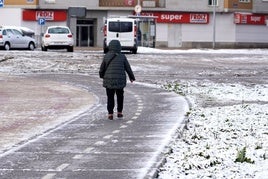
(113,70)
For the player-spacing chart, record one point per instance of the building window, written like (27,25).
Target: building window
(212,2)
(245,1)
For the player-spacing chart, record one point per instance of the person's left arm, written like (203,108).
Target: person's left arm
(129,70)
(102,69)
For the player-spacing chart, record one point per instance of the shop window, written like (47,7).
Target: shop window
(212,2)
(50,1)
(245,1)
(148,4)
(132,3)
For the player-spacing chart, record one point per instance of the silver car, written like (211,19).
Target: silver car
(14,38)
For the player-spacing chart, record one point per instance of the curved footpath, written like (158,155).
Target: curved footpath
(49,129)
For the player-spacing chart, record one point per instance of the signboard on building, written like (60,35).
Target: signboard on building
(49,15)
(179,17)
(248,18)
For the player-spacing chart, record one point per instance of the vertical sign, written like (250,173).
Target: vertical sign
(2,3)
(41,21)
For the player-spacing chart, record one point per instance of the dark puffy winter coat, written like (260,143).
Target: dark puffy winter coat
(114,72)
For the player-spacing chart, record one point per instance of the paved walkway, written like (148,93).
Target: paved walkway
(30,106)
(75,138)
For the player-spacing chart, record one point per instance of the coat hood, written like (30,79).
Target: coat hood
(115,46)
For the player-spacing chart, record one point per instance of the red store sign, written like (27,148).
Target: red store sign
(129,2)
(255,19)
(177,17)
(32,15)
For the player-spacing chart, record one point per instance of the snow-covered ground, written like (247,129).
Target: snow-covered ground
(223,120)
(227,131)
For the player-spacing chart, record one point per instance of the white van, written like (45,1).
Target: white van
(122,29)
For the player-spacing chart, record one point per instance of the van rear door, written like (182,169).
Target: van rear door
(123,31)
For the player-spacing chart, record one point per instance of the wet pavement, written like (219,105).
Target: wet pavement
(55,126)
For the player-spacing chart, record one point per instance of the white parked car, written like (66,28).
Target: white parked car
(58,37)
(14,38)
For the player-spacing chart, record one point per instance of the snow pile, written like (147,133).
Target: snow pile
(227,133)
(146,50)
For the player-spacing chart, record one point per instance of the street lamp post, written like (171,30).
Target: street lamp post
(214,23)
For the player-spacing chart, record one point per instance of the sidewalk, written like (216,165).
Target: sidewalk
(29,107)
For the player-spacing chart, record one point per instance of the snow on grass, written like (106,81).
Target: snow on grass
(227,133)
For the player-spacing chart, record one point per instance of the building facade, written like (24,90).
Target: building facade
(179,23)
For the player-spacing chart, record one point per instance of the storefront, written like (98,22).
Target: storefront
(84,29)
(39,20)
(146,30)
(161,28)
(155,29)
(251,28)
(169,26)
(85,33)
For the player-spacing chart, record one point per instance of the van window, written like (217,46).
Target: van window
(120,26)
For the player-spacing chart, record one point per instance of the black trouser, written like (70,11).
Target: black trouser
(110,99)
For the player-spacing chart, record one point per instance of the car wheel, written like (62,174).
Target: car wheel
(134,51)
(70,49)
(31,46)
(7,46)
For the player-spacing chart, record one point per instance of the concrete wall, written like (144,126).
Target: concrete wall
(202,35)
(192,5)
(12,16)
(249,33)
(98,17)
(31,4)
(161,38)
(260,6)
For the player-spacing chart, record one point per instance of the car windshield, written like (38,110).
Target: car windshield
(58,30)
